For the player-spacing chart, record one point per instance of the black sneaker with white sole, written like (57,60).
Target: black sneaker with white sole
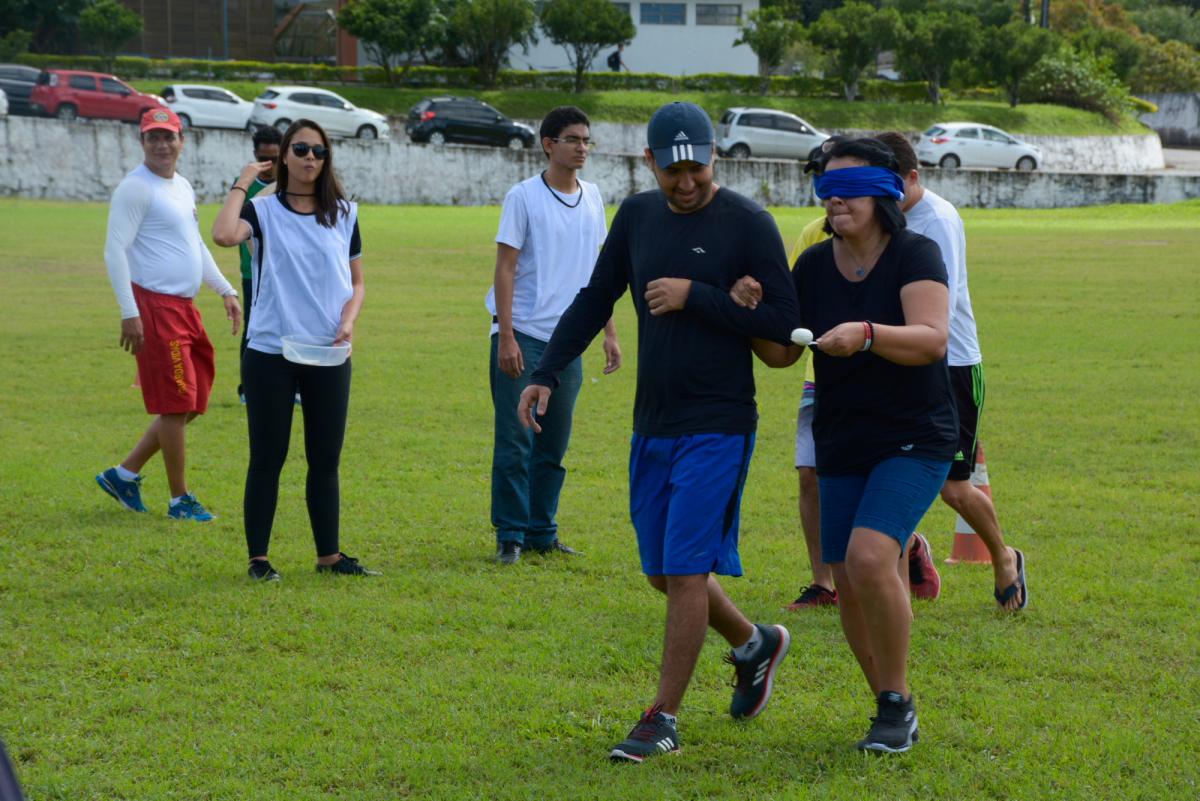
(754,676)
(508,553)
(347,566)
(894,727)
(261,570)
(654,734)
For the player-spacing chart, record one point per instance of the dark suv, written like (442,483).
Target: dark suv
(18,81)
(438,120)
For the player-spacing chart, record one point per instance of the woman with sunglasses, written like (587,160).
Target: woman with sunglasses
(307,282)
(885,424)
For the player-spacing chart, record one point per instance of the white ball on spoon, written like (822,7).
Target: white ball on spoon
(802,337)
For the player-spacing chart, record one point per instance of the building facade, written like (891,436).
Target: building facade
(681,38)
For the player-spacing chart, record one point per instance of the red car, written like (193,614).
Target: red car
(68,94)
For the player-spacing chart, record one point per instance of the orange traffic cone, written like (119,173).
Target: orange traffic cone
(968,547)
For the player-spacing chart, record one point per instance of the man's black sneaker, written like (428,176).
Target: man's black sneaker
(261,570)
(894,727)
(558,547)
(347,566)
(508,553)
(754,676)
(654,734)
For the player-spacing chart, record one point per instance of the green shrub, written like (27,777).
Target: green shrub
(1078,80)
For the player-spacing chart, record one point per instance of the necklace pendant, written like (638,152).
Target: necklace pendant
(859,272)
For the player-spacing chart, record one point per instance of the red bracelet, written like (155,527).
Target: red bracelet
(867,332)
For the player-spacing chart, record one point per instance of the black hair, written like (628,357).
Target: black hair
(560,118)
(875,154)
(906,157)
(266,136)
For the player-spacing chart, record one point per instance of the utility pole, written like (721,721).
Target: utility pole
(1046,14)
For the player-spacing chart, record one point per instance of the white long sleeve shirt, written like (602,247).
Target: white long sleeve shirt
(154,240)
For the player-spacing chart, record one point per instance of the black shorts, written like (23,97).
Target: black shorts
(967,385)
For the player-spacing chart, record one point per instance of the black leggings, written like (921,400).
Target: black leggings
(271,382)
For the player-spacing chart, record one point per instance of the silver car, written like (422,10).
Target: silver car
(766,133)
(969,144)
(279,106)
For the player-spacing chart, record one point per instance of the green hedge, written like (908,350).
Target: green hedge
(467,78)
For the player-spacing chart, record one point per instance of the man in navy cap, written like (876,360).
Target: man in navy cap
(679,249)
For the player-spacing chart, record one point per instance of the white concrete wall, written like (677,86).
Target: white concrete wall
(42,158)
(1177,120)
(668,49)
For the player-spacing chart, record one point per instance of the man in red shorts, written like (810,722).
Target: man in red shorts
(156,262)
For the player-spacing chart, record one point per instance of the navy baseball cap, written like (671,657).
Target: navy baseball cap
(680,132)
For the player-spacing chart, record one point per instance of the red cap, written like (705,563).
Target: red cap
(161,118)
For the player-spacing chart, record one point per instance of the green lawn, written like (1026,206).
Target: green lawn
(637,106)
(140,663)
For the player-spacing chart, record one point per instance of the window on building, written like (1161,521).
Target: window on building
(664,13)
(718,14)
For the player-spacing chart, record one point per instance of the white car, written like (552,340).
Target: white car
(281,105)
(3,104)
(968,144)
(766,133)
(207,106)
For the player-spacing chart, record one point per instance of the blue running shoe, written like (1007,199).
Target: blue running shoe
(188,508)
(127,493)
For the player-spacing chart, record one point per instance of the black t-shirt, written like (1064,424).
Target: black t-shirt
(867,408)
(695,367)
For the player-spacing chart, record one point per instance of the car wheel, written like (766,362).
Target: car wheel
(67,112)
(185,121)
(516,143)
(437,138)
(1026,164)
(283,124)
(950,162)
(367,132)
(739,152)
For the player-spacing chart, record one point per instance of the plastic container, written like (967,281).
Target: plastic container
(314,351)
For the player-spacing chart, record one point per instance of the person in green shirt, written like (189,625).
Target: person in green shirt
(266,148)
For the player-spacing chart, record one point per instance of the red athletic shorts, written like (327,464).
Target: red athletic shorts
(176,364)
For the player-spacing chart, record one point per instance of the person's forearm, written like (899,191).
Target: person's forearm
(212,275)
(773,354)
(504,280)
(911,345)
(610,329)
(117,262)
(225,227)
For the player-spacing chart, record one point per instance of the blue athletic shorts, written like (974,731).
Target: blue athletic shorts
(684,499)
(891,499)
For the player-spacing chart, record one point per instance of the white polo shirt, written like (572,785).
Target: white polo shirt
(936,218)
(154,240)
(558,247)
(301,271)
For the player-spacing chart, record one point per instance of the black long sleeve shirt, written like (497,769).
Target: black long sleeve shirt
(695,366)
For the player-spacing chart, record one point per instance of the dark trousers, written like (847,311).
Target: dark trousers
(270,382)
(247,302)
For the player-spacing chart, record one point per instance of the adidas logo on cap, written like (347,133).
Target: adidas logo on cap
(681,137)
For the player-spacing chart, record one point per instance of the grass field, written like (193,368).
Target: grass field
(637,106)
(138,662)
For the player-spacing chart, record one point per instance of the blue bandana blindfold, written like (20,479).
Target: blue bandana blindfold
(859,182)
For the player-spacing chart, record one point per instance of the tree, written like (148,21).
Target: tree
(930,42)
(52,22)
(1170,23)
(770,35)
(854,34)
(487,29)
(1168,67)
(1013,51)
(106,25)
(389,29)
(14,43)
(583,28)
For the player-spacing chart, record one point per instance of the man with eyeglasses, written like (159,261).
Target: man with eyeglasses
(551,228)
(156,262)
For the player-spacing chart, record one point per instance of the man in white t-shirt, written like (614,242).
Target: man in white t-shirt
(551,229)
(156,262)
(932,216)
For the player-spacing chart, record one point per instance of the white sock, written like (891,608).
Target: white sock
(177,500)
(750,646)
(670,719)
(125,475)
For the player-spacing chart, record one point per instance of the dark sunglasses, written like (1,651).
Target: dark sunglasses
(300,150)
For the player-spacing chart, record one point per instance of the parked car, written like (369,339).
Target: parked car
(766,133)
(438,120)
(68,94)
(18,81)
(968,144)
(281,105)
(3,104)
(207,106)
